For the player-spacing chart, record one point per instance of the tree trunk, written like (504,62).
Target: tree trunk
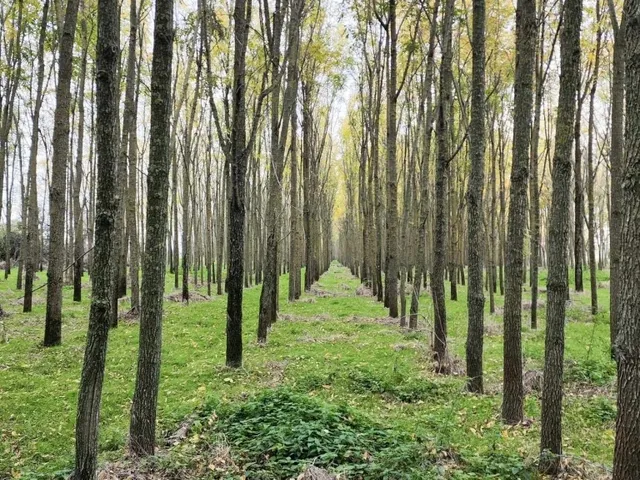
(32,244)
(279,133)
(132,194)
(78,250)
(557,284)
(626,461)
(58,188)
(90,392)
(239,155)
(512,403)
(615,160)
(591,171)
(142,430)
(392,180)
(421,266)
(442,174)
(475,240)
(578,217)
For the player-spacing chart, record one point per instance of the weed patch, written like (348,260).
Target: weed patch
(278,433)
(402,389)
(591,372)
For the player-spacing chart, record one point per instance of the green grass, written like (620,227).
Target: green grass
(326,347)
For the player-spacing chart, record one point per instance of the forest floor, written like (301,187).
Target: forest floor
(336,373)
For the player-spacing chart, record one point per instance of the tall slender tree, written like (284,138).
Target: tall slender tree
(90,392)
(626,461)
(591,169)
(58,192)
(142,430)
(616,153)
(32,249)
(557,284)
(443,135)
(512,401)
(475,241)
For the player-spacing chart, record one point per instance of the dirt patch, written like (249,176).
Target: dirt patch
(133,470)
(576,468)
(585,390)
(527,305)
(379,320)
(35,300)
(307,300)
(364,291)
(308,338)
(183,431)
(130,316)
(193,297)
(315,473)
(604,284)
(275,371)
(451,365)
(288,317)
(493,329)
(532,381)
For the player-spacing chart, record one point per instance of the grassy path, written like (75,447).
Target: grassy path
(332,344)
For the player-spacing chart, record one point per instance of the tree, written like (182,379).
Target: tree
(57,193)
(279,131)
(512,401)
(240,149)
(32,244)
(615,160)
(391,272)
(626,461)
(145,398)
(557,285)
(90,392)
(78,249)
(132,194)
(591,171)
(421,263)
(443,159)
(475,242)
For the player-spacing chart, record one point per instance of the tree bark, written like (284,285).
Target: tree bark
(626,461)
(90,392)
(512,402)
(238,168)
(591,171)
(615,160)
(442,177)
(78,250)
(391,270)
(32,244)
(57,193)
(142,430)
(279,132)
(475,239)
(557,283)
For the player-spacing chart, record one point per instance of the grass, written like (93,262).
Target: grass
(325,346)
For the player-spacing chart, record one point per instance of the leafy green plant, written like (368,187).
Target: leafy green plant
(600,410)
(590,371)
(499,465)
(403,389)
(277,433)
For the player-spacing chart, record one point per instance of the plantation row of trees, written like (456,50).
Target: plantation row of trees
(470,161)
(211,148)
